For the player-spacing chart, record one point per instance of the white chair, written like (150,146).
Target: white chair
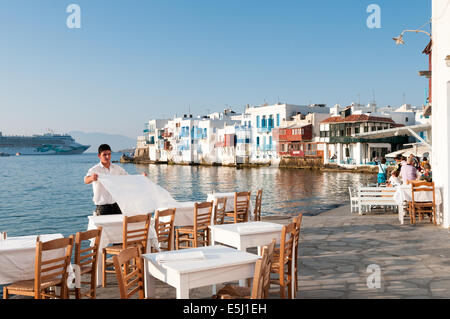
(353,200)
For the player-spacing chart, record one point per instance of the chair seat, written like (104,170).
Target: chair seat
(28,285)
(233,292)
(190,229)
(116,249)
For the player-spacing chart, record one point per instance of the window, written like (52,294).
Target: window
(264,121)
(406,120)
(366,129)
(257,122)
(257,140)
(278,119)
(356,130)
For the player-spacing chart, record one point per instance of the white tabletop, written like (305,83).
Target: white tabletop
(215,257)
(17,256)
(184,214)
(249,228)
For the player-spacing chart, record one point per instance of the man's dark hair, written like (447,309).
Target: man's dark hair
(425,159)
(383,160)
(103,147)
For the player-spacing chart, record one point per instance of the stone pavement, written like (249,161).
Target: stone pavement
(337,247)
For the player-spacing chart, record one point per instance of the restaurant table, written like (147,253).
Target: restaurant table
(246,235)
(220,264)
(17,257)
(112,233)
(403,193)
(230,203)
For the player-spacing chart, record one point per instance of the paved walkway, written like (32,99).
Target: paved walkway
(337,247)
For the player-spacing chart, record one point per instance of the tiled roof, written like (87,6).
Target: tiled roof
(357,118)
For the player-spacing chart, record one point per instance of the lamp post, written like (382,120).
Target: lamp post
(399,40)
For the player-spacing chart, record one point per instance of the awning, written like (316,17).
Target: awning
(399,131)
(417,150)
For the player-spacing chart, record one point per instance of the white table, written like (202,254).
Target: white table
(403,193)
(246,235)
(221,264)
(112,233)
(230,203)
(17,257)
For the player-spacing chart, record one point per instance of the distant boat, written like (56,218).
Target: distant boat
(3,154)
(45,144)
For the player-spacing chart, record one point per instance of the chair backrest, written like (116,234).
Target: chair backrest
(202,215)
(241,205)
(287,243)
(87,257)
(261,279)
(220,206)
(258,202)
(164,229)
(298,224)
(129,277)
(135,231)
(422,187)
(52,269)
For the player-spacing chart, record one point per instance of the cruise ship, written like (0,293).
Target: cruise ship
(45,144)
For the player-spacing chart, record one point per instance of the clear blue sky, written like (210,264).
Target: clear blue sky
(140,59)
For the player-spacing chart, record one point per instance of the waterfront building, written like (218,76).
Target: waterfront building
(154,138)
(440,102)
(263,119)
(344,147)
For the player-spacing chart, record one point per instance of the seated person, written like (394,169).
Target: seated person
(394,181)
(426,174)
(408,172)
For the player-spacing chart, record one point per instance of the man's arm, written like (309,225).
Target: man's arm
(90,179)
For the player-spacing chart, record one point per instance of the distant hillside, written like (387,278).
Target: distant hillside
(117,142)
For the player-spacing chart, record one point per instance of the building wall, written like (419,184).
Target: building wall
(441,102)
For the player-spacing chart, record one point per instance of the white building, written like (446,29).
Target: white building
(262,119)
(441,102)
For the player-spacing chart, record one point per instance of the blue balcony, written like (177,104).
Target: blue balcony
(266,129)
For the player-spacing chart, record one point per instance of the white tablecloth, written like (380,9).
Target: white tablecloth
(230,203)
(17,256)
(403,193)
(112,232)
(184,214)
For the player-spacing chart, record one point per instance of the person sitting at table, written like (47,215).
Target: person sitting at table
(424,161)
(408,172)
(394,181)
(426,174)
(105,204)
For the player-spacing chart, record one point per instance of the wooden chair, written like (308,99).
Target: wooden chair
(198,234)
(422,208)
(86,260)
(220,206)
(261,279)
(47,273)
(298,225)
(135,233)
(282,261)
(258,202)
(241,206)
(165,230)
(127,277)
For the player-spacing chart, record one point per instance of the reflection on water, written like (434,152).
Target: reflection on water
(46,194)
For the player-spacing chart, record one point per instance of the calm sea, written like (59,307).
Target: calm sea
(46,194)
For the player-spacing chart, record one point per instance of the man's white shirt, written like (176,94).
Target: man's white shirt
(101,195)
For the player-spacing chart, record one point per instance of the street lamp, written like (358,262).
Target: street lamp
(399,40)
